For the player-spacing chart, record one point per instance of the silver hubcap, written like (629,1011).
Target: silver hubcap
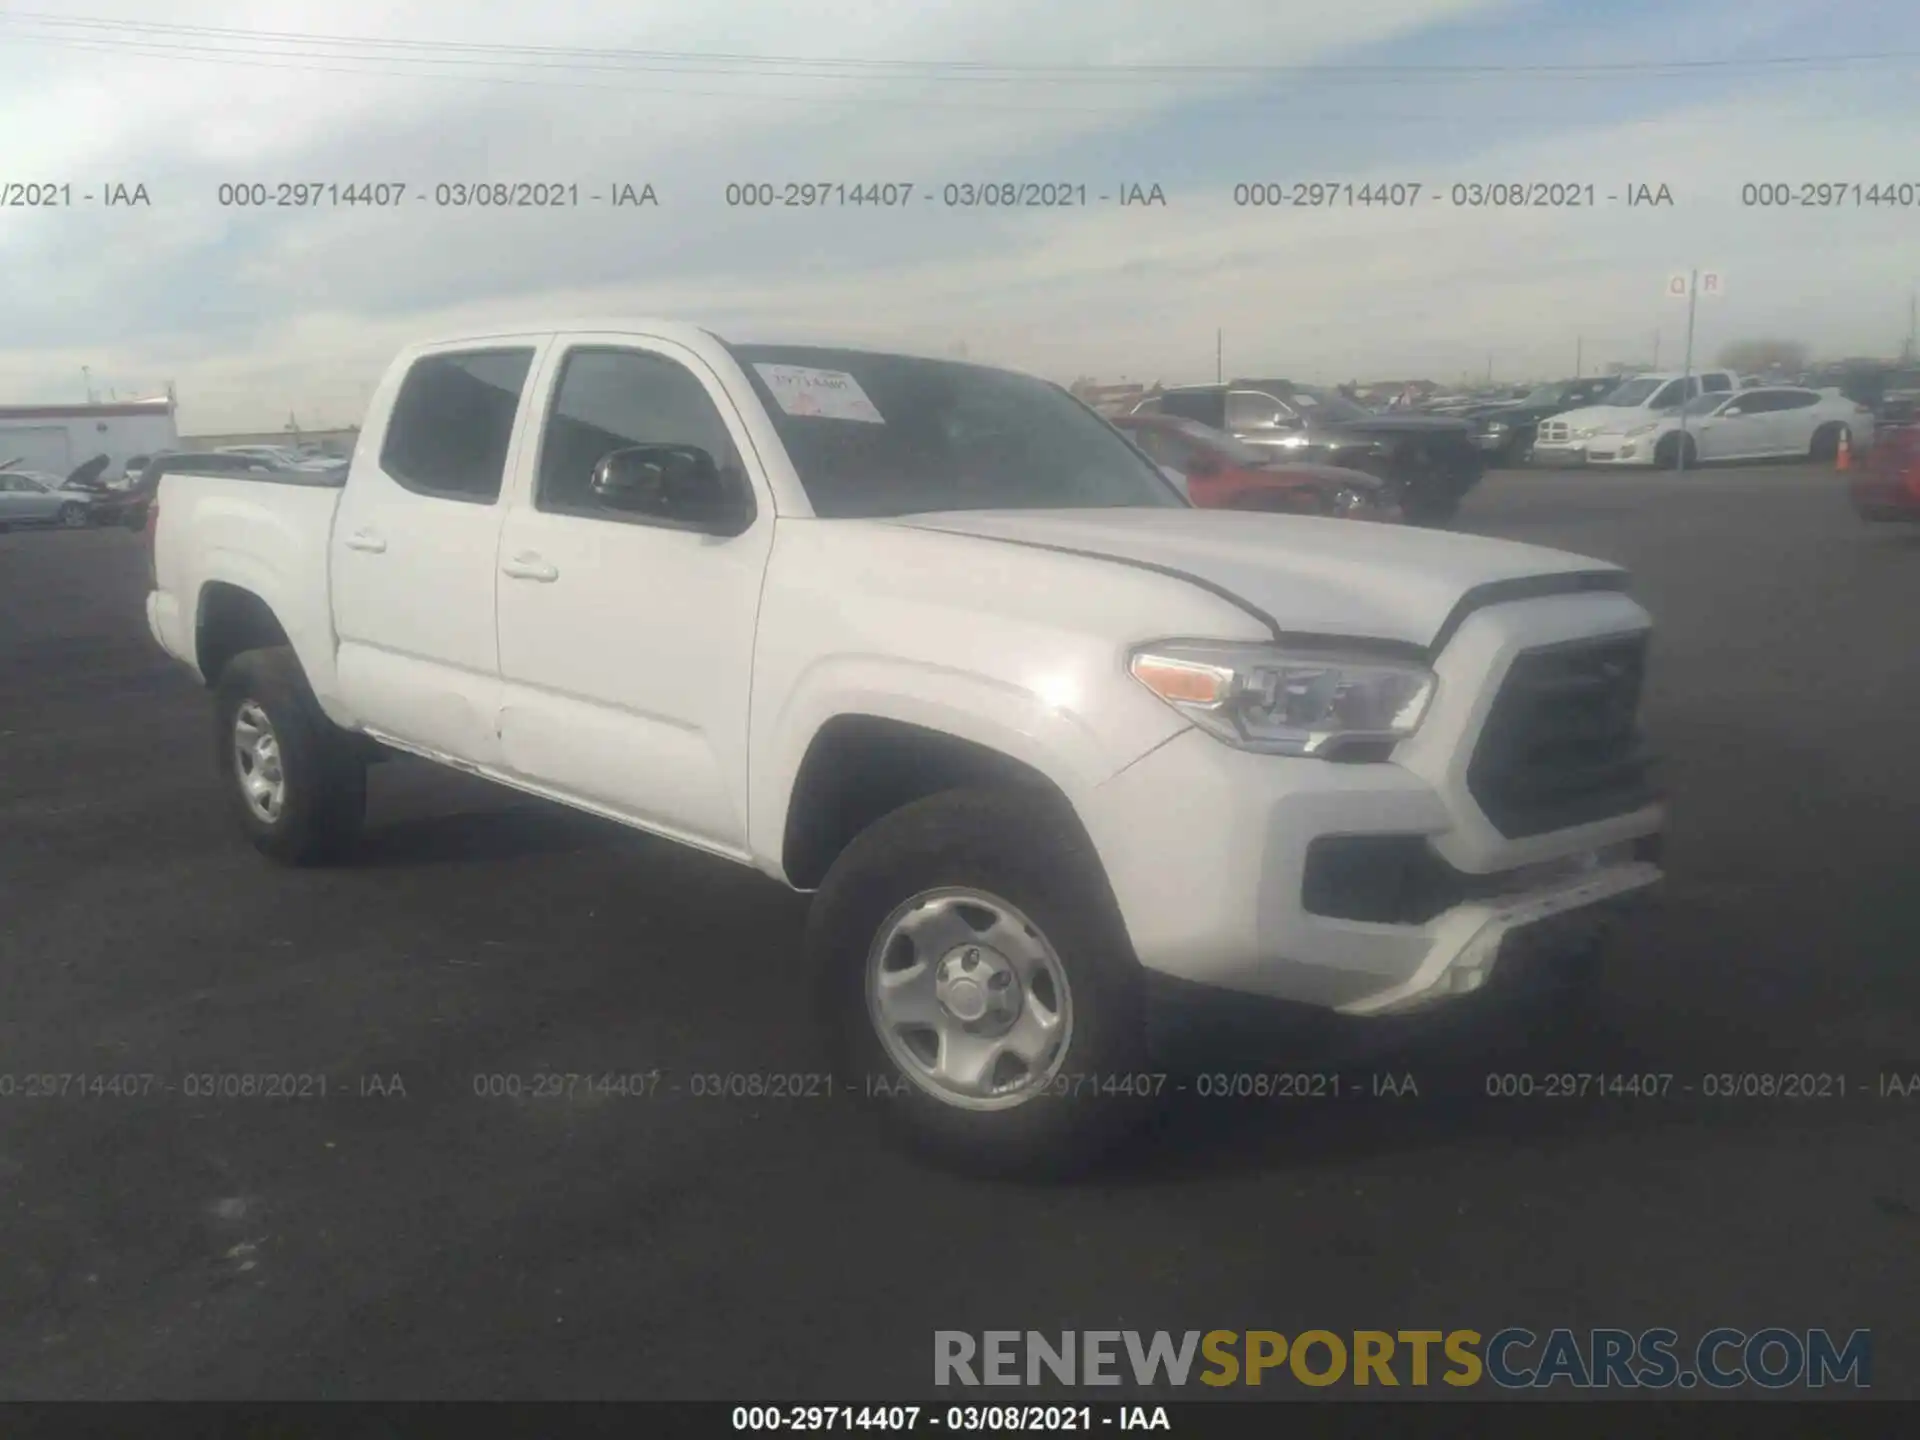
(73,517)
(256,760)
(969,999)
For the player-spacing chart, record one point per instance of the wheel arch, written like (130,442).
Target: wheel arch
(229,619)
(860,767)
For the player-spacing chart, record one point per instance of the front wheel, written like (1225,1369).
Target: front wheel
(978,985)
(296,783)
(73,515)
(1428,505)
(1676,452)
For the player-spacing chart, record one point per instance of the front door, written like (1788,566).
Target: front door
(626,639)
(1750,432)
(414,560)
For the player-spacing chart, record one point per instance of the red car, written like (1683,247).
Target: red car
(1886,481)
(1221,473)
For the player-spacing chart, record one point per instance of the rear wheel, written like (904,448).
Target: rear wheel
(978,985)
(1826,443)
(297,784)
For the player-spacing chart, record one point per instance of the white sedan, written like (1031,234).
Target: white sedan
(1770,423)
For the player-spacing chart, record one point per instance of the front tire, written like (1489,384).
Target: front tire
(295,782)
(1676,452)
(73,515)
(1422,506)
(978,986)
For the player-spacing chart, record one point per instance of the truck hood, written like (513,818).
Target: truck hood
(1310,576)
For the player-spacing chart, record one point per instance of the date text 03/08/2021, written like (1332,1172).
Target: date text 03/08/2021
(949,1419)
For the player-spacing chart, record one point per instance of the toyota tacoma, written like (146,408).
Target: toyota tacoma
(932,641)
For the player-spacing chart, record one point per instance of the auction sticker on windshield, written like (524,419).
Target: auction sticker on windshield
(821,394)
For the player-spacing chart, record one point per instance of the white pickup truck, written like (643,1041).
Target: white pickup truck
(1562,439)
(934,641)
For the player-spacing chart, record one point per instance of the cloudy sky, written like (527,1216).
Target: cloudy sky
(256,313)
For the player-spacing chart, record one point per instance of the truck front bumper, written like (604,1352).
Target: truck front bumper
(1563,453)
(1618,450)
(1211,853)
(1384,887)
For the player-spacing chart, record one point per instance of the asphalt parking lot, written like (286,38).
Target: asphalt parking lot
(407,1237)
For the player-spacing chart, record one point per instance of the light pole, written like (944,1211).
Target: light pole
(86,375)
(1686,374)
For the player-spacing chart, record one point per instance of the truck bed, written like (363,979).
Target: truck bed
(267,534)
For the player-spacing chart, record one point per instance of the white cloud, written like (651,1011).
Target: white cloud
(255,314)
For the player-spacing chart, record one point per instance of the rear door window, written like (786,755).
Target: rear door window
(452,423)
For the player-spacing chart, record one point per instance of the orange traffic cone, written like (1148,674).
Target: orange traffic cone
(1843,453)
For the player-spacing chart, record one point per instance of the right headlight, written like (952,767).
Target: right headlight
(1586,432)
(1284,702)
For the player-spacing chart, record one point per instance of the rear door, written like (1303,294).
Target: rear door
(25,501)
(626,638)
(1799,414)
(413,561)
(18,503)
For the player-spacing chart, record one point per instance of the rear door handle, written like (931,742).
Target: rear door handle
(528,566)
(366,540)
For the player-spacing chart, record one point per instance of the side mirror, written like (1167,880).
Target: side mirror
(678,484)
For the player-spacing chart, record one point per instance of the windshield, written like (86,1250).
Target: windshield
(1544,395)
(880,435)
(1326,404)
(1634,392)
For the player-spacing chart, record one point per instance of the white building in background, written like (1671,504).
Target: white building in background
(57,438)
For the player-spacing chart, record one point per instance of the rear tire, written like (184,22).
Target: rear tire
(1826,444)
(928,916)
(295,781)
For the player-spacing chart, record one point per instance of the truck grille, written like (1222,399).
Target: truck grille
(1555,432)
(1562,744)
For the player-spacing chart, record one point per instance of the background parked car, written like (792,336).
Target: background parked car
(1428,462)
(137,501)
(1505,430)
(1562,439)
(1773,423)
(1220,472)
(31,497)
(1886,487)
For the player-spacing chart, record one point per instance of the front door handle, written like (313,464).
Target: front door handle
(366,540)
(528,566)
